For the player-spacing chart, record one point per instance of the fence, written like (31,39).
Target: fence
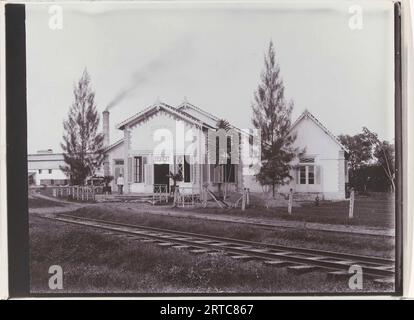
(79,193)
(186,195)
(160,193)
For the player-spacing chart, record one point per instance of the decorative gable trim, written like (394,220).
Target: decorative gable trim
(307,115)
(144,114)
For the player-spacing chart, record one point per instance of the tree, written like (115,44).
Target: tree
(228,168)
(360,150)
(384,153)
(82,144)
(368,154)
(272,115)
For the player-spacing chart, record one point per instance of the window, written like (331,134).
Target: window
(40,171)
(303,175)
(138,169)
(183,168)
(306,170)
(187,177)
(119,162)
(179,166)
(229,173)
(50,171)
(307,174)
(311,175)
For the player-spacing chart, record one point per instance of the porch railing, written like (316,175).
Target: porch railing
(187,196)
(160,193)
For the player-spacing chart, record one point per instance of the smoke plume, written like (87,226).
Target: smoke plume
(174,56)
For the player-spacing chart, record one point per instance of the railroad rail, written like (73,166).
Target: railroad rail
(297,260)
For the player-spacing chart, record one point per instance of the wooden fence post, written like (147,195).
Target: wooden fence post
(244,200)
(248,197)
(205,197)
(290,202)
(351,204)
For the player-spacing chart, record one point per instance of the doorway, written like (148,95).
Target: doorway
(161,172)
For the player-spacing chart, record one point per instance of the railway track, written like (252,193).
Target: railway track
(296,260)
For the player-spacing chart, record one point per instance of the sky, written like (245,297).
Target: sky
(212,54)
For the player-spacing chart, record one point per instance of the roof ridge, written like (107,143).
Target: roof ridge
(166,108)
(199,109)
(320,124)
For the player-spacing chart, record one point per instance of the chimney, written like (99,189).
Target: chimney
(105,128)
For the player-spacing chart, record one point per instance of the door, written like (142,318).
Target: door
(161,172)
(118,169)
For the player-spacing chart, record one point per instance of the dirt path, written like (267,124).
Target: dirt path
(261,221)
(266,222)
(68,206)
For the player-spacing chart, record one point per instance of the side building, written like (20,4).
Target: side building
(44,168)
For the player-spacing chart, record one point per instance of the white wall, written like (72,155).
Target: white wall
(329,158)
(176,135)
(56,174)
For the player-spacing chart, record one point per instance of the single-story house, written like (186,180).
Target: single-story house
(161,139)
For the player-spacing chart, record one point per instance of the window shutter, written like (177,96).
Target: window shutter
(130,170)
(192,173)
(146,178)
(144,162)
(205,172)
(297,179)
(212,173)
(236,173)
(148,174)
(134,169)
(318,174)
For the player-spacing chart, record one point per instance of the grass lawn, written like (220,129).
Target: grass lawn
(376,210)
(46,191)
(43,203)
(356,244)
(94,262)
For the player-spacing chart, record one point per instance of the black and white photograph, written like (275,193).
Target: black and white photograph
(211,148)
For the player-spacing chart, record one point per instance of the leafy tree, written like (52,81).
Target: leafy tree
(82,144)
(360,150)
(228,168)
(272,115)
(368,154)
(384,153)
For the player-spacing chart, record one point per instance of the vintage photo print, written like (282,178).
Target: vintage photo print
(212,148)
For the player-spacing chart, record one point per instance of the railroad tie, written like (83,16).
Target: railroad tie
(260,250)
(220,244)
(278,263)
(203,241)
(243,257)
(301,269)
(199,251)
(384,280)
(165,244)
(148,240)
(181,247)
(338,275)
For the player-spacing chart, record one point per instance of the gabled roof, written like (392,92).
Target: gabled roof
(308,115)
(142,115)
(187,105)
(114,145)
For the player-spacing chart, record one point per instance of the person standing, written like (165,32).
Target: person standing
(120,184)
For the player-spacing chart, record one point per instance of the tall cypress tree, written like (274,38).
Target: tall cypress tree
(272,115)
(82,144)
